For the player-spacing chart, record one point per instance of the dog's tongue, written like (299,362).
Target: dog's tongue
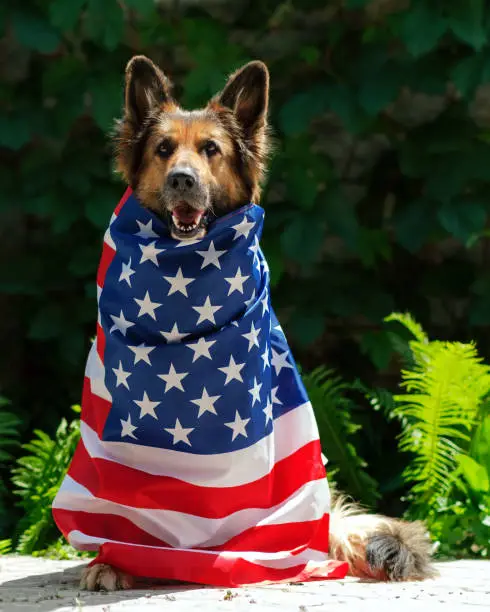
(186,214)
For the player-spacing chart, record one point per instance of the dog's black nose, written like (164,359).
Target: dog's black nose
(180,180)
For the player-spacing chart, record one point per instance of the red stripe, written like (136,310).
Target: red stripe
(125,485)
(100,342)
(199,568)
(104,526)
(105,261)
(95,409)
(126,195)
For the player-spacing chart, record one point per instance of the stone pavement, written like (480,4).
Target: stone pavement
(40,585)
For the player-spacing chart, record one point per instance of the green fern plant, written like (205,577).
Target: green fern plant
(37,477)
(9,431)
(446,385)
(332,406)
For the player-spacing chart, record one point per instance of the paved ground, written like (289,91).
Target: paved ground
(38,585)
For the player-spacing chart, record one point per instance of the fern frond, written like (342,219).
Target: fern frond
(327,393)
(5,547)
(409,323)
(445,388)
(9,433)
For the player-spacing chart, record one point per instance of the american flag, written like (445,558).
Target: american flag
(199,457)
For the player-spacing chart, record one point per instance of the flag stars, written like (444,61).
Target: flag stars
(146,406)
(146,230)
(126,273)
(280,361)
(179,433)
(120,324)
(268,411)
(149,252)
(206,311)
(232,371)
(238,426)
(121,376)
(206,402)
(265,358)
(201,348)
(173,379)
(255,391)
(211,256)
(174,335)
(128,428)
(236,282)
(265,304)
(275,399)
(147,307)
(243,228)
(142,353)
(178,283)
(252,336)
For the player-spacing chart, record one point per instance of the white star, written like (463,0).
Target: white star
(178,283)
(120,323)
(280,361)
(238,426)
(126,272)
(211,256)
(121,376)
(147,406)
(265,304)
(147,307)
(128,428)
(180,433)
(255,391)
(146,230)
(232,371)
(141,353)
(173,379)
(268,411)
(243,228)
(252,337)
(236,282)
(265,357)
(265,265)
(206,311)
(201,348)
(149,252)
(255,248)
(174,335)
(251,300)
(206,402)
(274,396)
(184,243)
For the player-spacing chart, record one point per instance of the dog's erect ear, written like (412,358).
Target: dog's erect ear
(146,88)
(247,94)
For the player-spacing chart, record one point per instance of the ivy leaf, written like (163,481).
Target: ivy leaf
(379,88)
(296,114)
(378,347)
(307,328)
(100,204)
(343,102)
(341,218)
(467,73)
(413,224)
(466,20)
(145,8)
(64,15)
(302,187)
(106,100)
(303,238)
(14,132)
(104,22)
(421,29)
(34,32)
(463,219)
(275,260)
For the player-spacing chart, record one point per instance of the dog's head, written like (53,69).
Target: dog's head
(189,165)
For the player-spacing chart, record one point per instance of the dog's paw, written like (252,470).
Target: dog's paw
(102,577)
(400,552)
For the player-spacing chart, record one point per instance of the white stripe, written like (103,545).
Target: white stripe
(94,370)
(182,530)
(277,560)
(107,236)
(291,432)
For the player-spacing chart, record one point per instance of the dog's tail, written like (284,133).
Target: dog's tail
(377,546)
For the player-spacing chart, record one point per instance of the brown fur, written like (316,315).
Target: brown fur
(374,546)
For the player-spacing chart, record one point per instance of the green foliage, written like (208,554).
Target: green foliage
(333,408)
(446,428)
(38,476)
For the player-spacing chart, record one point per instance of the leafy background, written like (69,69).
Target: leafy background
(377,199)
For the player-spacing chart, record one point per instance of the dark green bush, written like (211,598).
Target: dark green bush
(378,191)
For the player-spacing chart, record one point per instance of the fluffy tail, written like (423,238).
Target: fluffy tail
(377,546)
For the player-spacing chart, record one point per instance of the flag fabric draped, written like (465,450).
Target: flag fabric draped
(199,457)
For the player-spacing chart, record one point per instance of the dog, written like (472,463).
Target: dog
(190,168)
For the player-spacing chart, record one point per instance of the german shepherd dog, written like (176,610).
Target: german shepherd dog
(190,167)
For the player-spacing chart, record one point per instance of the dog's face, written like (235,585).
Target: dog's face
(188,166)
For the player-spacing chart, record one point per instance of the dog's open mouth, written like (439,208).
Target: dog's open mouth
(187,222)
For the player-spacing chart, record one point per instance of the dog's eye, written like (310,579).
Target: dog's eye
(210,148)
(165,149)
